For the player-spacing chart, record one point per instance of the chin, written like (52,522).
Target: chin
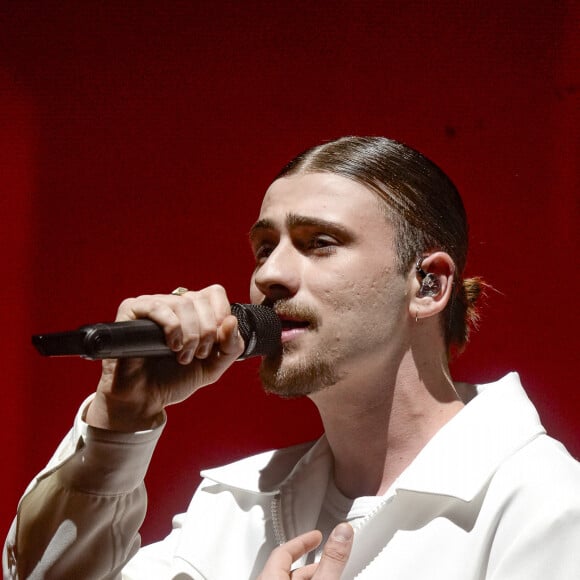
(292,379)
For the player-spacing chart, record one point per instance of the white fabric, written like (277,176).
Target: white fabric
(337,508)
(491,497)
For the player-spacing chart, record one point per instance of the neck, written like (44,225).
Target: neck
(376,425)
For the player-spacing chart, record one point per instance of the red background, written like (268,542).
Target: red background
(137,139)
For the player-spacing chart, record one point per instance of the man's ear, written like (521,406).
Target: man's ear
(431,285)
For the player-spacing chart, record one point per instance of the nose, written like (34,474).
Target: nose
(279,275)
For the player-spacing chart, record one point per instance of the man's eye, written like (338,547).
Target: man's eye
(262,252)
(322,242)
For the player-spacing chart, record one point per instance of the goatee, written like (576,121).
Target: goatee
(308,375)
(312,371)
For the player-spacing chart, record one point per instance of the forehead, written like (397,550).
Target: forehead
(321,195)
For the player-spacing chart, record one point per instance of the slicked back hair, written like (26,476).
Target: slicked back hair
(420,201)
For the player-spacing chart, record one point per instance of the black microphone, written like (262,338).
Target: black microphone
(259,327)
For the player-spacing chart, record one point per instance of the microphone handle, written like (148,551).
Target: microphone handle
(259,327)
(135,338)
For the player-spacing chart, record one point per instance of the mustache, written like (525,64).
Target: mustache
(286,308)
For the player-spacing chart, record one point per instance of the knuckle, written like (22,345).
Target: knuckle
(126,304)
(157,304)
(172,325)
(190,338)
(336,553)
(215,293)
(278,551)
(217,288)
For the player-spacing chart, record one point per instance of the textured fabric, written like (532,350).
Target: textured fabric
(491,497)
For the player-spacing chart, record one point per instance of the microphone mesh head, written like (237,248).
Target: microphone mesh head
(260,328)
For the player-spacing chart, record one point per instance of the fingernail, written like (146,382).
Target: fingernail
(186,357)
(343,533)
(176,345)
(202,352)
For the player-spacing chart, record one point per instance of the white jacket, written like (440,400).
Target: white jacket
(491,496)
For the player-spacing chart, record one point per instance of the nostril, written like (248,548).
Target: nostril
(275,292)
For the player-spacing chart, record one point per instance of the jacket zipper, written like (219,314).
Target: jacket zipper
(277,525)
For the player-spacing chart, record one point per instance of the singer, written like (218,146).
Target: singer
(360,248)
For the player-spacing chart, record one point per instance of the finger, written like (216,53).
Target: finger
(157,308)
(198,326)
(280,561)
(305,572)
(162,309)
(334,557)
(335,553)
(226,351)
(230,341)
(216,300)
(188,321)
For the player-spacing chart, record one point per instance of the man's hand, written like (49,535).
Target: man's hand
(334,556)
(203,334)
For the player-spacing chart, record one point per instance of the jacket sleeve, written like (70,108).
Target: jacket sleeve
(80,516)
(539,532)
(543,547)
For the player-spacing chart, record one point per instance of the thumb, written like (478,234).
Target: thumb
(230,346)
(335,553)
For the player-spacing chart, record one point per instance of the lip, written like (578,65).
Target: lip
(292,332)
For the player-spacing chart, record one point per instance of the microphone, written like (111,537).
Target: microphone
(259,327)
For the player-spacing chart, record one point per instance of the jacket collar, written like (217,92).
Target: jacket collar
(463,455)
(270,471)
(458,461)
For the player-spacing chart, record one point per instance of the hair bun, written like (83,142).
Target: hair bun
(465,313)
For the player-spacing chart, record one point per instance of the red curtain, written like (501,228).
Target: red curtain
(137,140)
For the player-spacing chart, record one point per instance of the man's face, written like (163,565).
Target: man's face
(325,258)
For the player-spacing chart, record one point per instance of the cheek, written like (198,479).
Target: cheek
(375,285)
(376,304)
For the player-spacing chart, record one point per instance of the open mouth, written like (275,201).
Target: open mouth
(289,324)
(296,319)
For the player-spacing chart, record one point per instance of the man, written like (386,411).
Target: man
(360,248)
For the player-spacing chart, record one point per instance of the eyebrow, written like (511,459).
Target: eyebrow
(260,225)
(294,221)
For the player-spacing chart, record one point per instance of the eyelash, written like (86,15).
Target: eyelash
(328,243)
(262,252)
(328,246)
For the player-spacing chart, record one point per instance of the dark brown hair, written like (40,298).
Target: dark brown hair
(421,202)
